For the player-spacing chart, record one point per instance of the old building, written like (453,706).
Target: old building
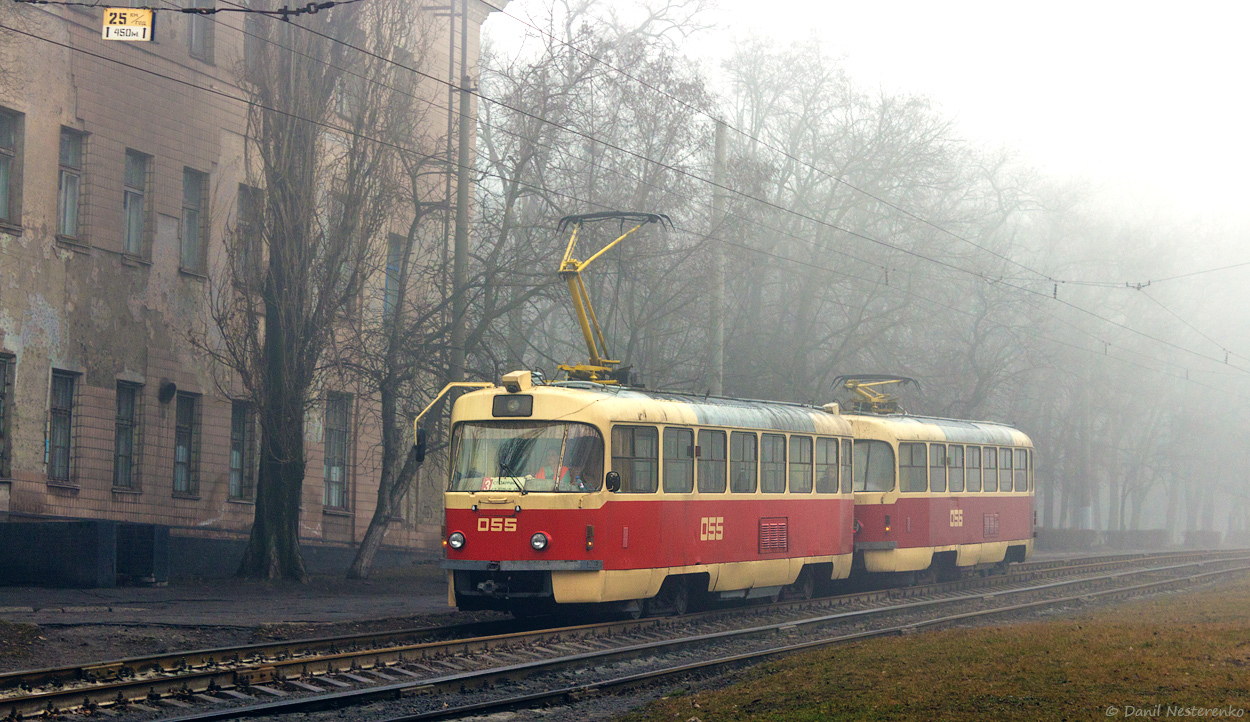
(121,169)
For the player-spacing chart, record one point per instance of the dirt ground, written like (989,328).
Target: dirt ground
(55,627)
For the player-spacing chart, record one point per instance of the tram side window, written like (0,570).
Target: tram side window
(956,456)
(1022,470)
(937,467)
(635,456)
(974,468)
(848,471)
(711,461)
(800,464)
(772,463)
(678,460)
(874,465)
(1030,470)
(1004,469)
(742,458)
(990,475)
(913,467)
(826,466)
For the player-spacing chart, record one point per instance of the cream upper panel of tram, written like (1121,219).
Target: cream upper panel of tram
(604,406)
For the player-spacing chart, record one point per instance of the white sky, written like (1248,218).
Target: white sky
(1145,100)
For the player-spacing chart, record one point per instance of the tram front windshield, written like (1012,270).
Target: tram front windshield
(526,456)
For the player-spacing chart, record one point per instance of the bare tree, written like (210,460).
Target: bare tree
(321,154)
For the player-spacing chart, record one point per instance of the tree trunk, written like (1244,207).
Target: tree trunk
(273,548)
(388,501)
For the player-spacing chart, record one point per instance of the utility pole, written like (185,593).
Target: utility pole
(460,260)
(717,385)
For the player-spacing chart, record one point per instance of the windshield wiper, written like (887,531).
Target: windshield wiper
(506,469)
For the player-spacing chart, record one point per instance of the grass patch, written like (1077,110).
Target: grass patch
(1185,651)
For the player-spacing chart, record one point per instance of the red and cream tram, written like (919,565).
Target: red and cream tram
(578,493)
(583,493)
(940,495)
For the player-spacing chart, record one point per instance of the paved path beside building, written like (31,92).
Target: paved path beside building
(417,590)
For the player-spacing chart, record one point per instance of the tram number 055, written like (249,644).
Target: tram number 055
(497,523)
(957,517)
(712,528)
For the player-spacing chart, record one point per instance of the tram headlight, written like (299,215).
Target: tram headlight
(456,540)
(539,541)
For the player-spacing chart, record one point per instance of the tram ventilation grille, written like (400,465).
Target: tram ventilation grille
(991,525)
(773,535)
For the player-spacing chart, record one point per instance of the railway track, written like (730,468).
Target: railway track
(315,674)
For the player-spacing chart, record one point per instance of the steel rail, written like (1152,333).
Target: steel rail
(480,678)
(573,694)
(185,674)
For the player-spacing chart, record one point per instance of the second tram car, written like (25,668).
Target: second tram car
(939,495)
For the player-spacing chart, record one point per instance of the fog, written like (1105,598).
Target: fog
(1022,209)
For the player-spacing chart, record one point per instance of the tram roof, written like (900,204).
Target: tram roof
(956,430)
(720,410)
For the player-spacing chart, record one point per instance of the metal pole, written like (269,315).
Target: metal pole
(460,261)
(717,385)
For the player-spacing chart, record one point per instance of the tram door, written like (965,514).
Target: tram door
(679,525)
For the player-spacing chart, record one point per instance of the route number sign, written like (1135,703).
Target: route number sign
(133,24)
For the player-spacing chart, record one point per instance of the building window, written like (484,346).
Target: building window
(635,456)
(10,166)
(6,393)
(338,416)
(69,184)
(194,184)
(772,463)
(395,246)
(678,461)
(253,42)
(133,202)
(248,227)
(711,461)
(124,436)
(742,459)
(61,426)
(242,451)
(186,445)
(200,32)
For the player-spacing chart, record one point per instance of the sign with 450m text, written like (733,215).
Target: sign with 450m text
(133,24)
